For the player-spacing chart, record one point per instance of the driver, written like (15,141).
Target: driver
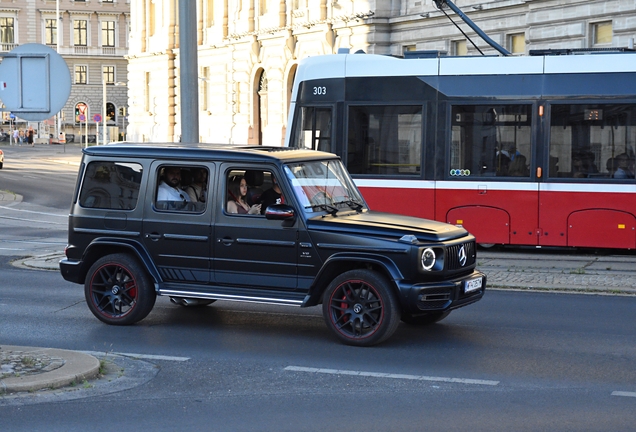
(169,189)
(271,196)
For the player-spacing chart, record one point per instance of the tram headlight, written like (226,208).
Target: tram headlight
(428,259)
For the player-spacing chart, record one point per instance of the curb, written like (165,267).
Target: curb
(77,367)
(9,197)
(50,262)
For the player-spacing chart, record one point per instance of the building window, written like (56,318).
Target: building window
(110,112)
(459,48)
(517,43)
(147,93)
(109,74)
(6,30)
(80,74)
(151,18)
(602,33)
(205,84)
(209,13)
(408,48)
(108,33)
(50,30)
(80,32)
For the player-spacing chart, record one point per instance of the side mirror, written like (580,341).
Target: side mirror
(280,212)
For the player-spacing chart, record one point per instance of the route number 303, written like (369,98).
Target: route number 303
(320,91)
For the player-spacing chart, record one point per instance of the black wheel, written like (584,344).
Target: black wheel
(360,308)
(190,302)
(118,290)
(429,318)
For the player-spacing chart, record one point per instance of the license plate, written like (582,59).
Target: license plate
(472,285)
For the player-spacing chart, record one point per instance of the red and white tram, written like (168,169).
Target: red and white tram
(534,150)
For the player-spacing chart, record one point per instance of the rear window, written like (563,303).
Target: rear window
(111,185)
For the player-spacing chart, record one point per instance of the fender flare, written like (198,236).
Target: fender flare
(331,268)
(90,256)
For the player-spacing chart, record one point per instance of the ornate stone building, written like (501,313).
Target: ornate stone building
(248,50)
(94,41)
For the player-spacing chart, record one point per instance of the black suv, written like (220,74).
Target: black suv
(257,224)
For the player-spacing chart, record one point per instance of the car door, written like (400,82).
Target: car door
(177,233)
(250,250)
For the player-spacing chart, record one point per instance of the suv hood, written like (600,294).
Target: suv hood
(387,225)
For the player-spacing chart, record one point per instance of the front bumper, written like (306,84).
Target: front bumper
(441,296)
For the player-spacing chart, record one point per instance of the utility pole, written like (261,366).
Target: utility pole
(189,72)
(58,37)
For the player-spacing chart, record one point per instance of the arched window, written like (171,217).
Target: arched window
(111,113)
(262,106)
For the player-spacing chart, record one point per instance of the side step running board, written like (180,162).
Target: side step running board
(231,297)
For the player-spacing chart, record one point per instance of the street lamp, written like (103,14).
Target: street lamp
(104,107)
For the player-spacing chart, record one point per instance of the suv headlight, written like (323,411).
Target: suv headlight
(428,259)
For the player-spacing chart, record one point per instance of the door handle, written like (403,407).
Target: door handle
(153,236)
(226,241)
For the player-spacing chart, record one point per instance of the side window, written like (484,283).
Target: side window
(111,185)
(384,140)
(251,191)
(182,188)
(490,141)
(312,129)
(592,141)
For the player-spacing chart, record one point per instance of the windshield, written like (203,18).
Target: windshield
(324,186)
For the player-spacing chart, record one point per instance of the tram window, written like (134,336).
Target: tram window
(592,141)
(490,141)
(312,129)
(384,140)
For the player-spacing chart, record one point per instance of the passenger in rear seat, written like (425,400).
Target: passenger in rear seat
(238,204)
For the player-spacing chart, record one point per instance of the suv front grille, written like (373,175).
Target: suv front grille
(452,255)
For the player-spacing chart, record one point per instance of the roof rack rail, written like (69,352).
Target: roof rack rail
(574,51)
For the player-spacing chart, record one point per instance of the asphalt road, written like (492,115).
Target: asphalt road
(514,361)
(39,174)
(35,221)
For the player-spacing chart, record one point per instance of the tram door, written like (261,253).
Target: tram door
(587,197)
(490,187)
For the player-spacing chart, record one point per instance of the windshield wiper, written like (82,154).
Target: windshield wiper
(326,207)
(351,203)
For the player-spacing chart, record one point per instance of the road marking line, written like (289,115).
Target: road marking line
(624,393)
(138,356)
(389,375)
(34,212)
(32,220)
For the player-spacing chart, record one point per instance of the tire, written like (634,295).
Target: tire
(426,319)
(190,302)
(360,307)
(118,290)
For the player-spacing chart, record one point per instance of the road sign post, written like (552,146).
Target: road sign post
(97,119)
